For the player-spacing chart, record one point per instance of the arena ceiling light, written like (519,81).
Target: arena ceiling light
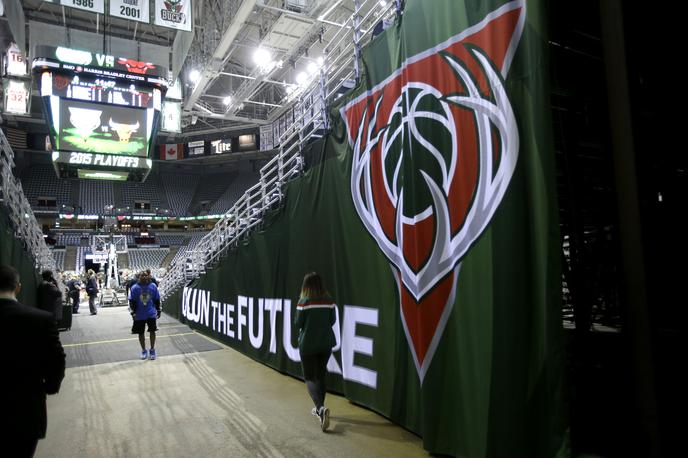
(263,60)
(301,78)
(194,76)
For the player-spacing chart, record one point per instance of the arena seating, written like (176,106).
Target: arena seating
(40,180)
(149,190)
(179,190)
(59,256)
(211,188)
(170,238)
(146,258)
(241,183)
(195,238)
(95,195)
(80,256)
(182,194)
(70,239)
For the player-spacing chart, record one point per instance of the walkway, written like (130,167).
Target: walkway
(198,399)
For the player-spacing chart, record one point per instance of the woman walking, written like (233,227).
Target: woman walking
(315,315)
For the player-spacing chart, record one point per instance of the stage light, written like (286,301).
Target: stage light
(312,68)
(194,76)
(301,78)
(227,100)
(321,60)
(383,3)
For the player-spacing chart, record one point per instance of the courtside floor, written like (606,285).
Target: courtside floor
(199,399)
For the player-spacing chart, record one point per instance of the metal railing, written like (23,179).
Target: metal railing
(21,216)
(341,65)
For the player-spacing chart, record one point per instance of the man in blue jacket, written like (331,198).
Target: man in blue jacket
(144,302)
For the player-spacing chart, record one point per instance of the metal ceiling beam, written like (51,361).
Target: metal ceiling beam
(208,74)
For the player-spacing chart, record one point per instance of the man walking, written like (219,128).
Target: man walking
(49,296)
(92,291)
(144,301)
(74,288)
(33,364)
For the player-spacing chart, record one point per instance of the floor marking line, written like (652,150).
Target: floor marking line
(124,340)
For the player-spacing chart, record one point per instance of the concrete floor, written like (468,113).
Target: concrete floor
(205,401)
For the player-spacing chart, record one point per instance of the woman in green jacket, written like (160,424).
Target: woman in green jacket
(315,316)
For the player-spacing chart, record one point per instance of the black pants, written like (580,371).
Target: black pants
(314,372)
(19,447)
(75,303)
(92,303)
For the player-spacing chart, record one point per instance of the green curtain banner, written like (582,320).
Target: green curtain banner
(430,211)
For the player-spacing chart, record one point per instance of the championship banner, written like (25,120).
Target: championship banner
(94,6)
(175,14)
(430,212)
(266,143)
(135,10)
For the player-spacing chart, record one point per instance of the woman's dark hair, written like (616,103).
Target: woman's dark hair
(313,286)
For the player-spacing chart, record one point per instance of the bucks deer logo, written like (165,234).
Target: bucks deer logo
(434,148)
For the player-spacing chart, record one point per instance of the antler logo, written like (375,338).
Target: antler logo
(434,148)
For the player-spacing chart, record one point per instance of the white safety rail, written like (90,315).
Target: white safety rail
(21,216)
(341,66)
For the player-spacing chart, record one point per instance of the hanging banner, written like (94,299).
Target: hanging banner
(17,96)
(266,137)
(430,212)
(94,6)
(171,117)
(175,14)
(14,61)
(135,10)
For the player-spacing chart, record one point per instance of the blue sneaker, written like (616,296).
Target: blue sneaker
(144,354)
(152,354)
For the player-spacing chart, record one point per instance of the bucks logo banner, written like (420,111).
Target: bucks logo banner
(429,210)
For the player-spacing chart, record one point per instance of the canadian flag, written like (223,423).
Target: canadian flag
(171,152)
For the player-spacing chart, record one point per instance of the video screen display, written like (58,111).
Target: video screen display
(100,128)
(94,89)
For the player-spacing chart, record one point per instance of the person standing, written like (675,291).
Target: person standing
(152,278)
(33,365)
(74,289)
(49,296)
(144,302)
(92,291)
(315,316)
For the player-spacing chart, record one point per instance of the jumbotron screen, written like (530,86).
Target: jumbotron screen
(100,128)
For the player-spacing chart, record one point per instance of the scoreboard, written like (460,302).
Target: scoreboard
(102,111)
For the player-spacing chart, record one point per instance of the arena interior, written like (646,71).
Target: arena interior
(489,190)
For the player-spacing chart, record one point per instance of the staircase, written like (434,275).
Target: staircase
(70,258)
(170,256)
